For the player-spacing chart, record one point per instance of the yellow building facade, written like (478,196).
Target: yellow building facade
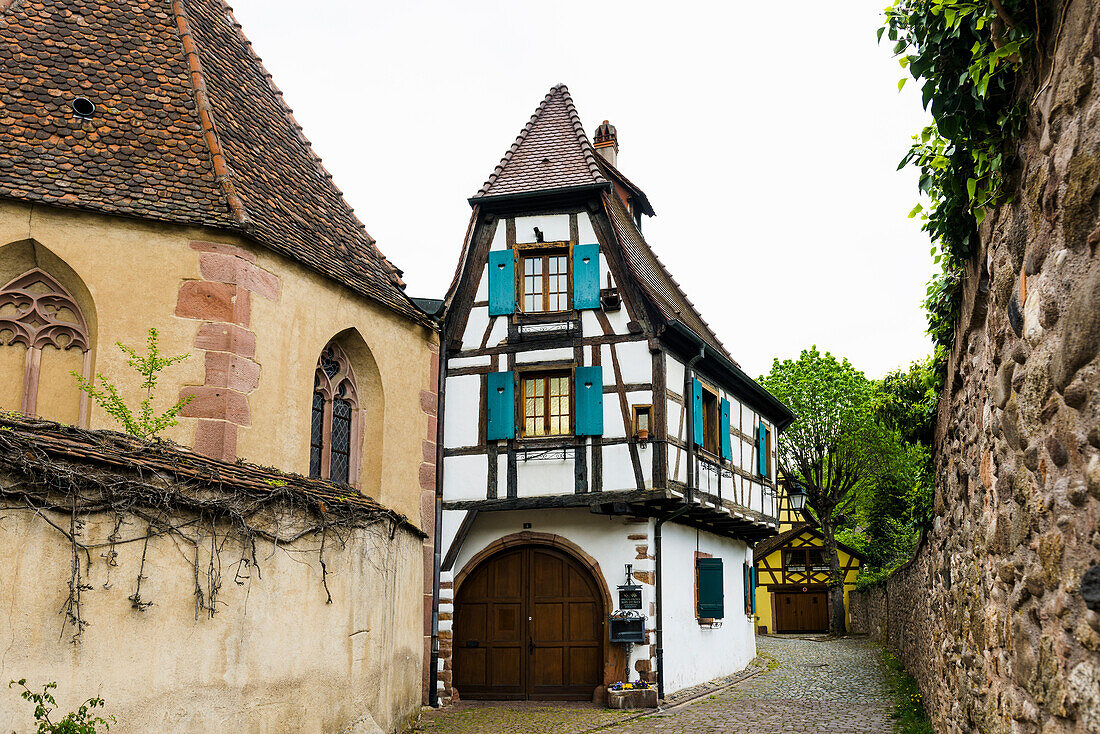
(792,577)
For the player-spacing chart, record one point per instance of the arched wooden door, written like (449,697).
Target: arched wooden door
(528,625)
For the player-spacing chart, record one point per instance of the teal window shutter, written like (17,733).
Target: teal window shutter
(708,579)
(588,392)
(586,276)
(762,450)
(746,578)
(501,406)
(502,282)
(752,589)
(724,438)
(697,412)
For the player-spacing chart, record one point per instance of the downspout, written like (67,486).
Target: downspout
(433,674)
(689,402)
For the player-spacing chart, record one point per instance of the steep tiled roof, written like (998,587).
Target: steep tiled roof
(188,128)
(551,153)
(656,282)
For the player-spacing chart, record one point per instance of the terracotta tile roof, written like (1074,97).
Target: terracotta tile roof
(45,451)
(551,153)
(188,128)
(656,282)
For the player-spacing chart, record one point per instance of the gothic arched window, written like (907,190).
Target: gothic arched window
(38,315)
(335,433)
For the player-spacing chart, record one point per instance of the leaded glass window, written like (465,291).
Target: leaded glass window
(545,281)
(334,433)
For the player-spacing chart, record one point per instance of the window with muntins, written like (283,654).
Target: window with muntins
(544,280)
(710,421)
(335,431)
(546,404)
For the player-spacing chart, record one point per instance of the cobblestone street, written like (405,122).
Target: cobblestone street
(826,687)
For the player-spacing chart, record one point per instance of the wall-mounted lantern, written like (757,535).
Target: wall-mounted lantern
(796,494)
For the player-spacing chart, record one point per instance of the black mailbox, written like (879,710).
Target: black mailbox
(626,629)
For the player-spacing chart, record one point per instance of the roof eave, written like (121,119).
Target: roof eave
(763,400)
(488,201)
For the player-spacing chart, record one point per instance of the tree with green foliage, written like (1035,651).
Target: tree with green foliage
(967,56)
(836,447)
(144,422)
(81,721)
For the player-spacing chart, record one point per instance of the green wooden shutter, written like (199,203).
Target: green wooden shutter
(724,438)
(588,390)
(762,450)
(746,576)
(502,282)
(697,412)
(752,589)
(708,575)
(501,406)
(586,276)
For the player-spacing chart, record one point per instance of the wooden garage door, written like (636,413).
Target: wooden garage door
(528,625)
(801,611)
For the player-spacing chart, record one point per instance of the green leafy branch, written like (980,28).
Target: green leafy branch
(967,55)
(81,721)
(144,422)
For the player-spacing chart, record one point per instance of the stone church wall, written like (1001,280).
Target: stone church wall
(993,615)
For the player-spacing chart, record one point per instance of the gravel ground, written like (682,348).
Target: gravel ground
(809,686)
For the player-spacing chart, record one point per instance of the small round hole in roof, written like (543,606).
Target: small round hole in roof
(545,160)
(83,108)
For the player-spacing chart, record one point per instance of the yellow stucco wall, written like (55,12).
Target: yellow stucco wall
(132,271)
(774,560)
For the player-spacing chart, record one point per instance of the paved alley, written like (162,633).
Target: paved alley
(826,687)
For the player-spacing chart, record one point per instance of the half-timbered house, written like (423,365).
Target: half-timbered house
(792,574)
(606,464)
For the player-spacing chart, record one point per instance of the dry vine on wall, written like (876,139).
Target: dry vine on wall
(174,495)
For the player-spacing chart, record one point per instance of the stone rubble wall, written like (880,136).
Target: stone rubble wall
(993,615)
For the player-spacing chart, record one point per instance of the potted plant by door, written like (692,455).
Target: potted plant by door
(633,695)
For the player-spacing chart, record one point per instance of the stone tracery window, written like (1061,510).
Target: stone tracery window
(37,312)
(335,420)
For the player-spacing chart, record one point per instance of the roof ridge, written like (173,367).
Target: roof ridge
(586,146)
(222,173)
(587,151)
(299,134)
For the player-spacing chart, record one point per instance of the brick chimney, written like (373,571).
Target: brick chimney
(606,142)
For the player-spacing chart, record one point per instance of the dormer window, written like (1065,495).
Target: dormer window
(544,278)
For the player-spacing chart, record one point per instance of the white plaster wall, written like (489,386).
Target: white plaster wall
(674,374)
(544,477)
(602,537)
(618,472)
(500,239)
(456,362)
(475,327)
(482,292)
(544,355)
(584,230)
(555,228)
(465,477)
(460,419)
(694,654)
(612,413)
(635,362)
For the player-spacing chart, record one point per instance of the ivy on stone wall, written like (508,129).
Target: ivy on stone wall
(967,55)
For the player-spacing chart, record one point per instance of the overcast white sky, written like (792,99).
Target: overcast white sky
(766,137)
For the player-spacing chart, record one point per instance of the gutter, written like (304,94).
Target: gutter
(688,491)
(433,674)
